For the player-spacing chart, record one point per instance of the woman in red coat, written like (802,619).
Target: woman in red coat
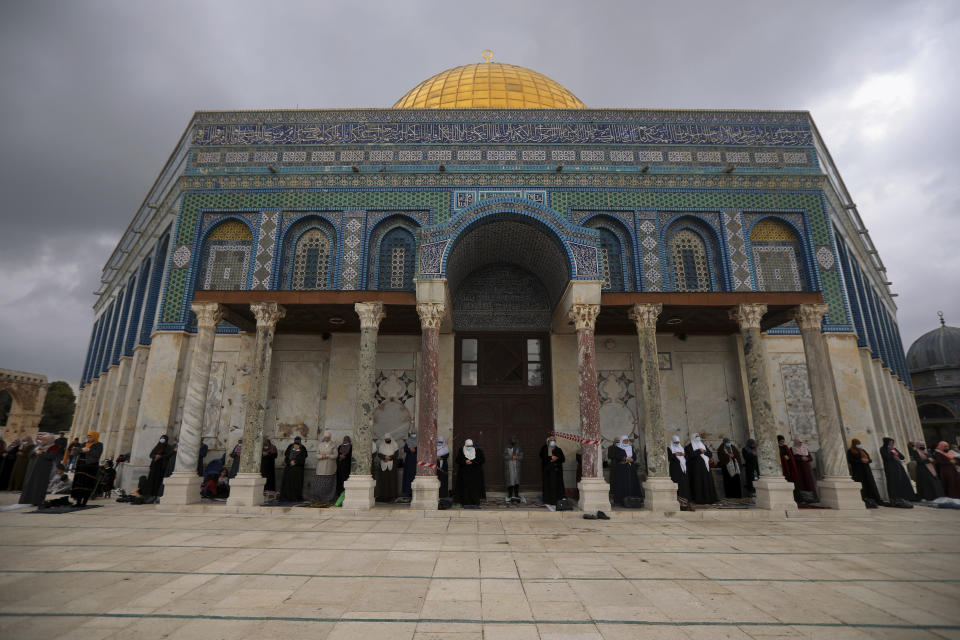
(947,468)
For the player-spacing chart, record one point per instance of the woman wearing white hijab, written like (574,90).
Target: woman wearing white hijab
(623,471)
(698,467)
(325,484)
(470,474)
(678,473)
(387,469)
(443,466)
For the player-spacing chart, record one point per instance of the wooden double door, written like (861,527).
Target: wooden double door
(503,390)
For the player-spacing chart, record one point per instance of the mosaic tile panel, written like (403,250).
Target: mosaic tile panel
(353,250)
(737,251)
(266,247)
(647,234)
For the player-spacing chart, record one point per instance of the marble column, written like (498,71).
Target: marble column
(426,486)
(246,490)
(660,492)
(773,491)
(183,487)
(359,487)
(594,490)
(837,489)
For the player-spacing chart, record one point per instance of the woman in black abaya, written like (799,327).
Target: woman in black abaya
(928,483)
(678,473)
(698,467)
(158,463)
(291,486)
(268,465)
(623,471)
(551,463)
(859,461)
(37,479)
(898,483)
(88,467)
(470,474)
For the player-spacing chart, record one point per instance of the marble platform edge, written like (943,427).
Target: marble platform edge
(733,515)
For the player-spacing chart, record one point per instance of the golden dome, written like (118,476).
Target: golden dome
(489,85)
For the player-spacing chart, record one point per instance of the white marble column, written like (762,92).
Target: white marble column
(183,487)
(359,486)
(837,489)
(659,491)
(246,490)
(773,490)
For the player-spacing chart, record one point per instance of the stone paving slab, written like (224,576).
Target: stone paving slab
(128,572)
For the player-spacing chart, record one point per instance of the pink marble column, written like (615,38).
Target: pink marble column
(584,317)
(426,486)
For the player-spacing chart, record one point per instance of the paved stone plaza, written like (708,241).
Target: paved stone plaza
(123,571)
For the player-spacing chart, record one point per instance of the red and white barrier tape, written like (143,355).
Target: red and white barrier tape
(427,464)
(574,437)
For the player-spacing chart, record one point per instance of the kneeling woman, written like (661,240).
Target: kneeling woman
(88,466)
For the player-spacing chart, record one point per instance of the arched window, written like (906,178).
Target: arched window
(611,261)
(311,260)
(225,261)
(688,257)
(776,257)
(395,264)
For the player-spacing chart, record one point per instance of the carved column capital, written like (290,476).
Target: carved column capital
(584,316)
(645,315)
(431,314)
(267,314)
(748,316)
(208,313)
(808,316)
(371,313)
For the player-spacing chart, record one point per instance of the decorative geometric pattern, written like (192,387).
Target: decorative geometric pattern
(181,256)
(352,238)
(308,253)
(585,260)
(764,157)
(738,156)
(689,262)
(776,266)
(653,278)
(771,230)
(225,266)
(825,258)
(231,231)
(266,248)
(591,156)
(737,250)
(397,256)
(431,257)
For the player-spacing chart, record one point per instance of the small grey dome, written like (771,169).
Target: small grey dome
(935,349)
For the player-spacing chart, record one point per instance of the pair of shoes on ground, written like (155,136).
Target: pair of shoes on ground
(600,515)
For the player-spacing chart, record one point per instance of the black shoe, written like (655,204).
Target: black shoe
(589,516)
(602,516)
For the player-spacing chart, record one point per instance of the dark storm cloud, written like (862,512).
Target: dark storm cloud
(94,95)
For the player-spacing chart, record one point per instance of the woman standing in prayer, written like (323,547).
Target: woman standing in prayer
(88,466)
(678,473)
(730,466)
(158,463)
(623,471)
(512,457)
(859,461)
(268,465)
(698,466)
(344,460)
(6,464)
(898,483)
(470,474)
(387,478)
(947,466)
(37,479)
(787,462)
(409,464)
(19,470)
(294,460)
(804,478)
(928,484)
(443,466)
(551,465)
(751,466)
(325,487)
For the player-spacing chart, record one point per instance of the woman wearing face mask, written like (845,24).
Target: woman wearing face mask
(698,466)
(859,461)
(678,473)
(470,474)
(158,461)
(928,484)
(730,465)
(623,471)
(551,462)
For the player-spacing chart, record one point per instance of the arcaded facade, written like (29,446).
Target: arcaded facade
(491,258)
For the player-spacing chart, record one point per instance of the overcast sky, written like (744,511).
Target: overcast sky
(94,95)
